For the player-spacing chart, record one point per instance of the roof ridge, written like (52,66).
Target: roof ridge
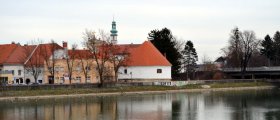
(29,57)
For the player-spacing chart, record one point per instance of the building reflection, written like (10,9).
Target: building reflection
(149,107)
(227,105)
(76,110)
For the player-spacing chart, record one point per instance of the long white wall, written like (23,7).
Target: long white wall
(145,72)
(24,74)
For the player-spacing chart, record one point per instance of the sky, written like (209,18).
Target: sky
(207,23)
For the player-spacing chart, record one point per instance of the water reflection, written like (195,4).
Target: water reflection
(228,105)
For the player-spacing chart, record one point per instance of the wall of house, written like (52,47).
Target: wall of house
(17,78)
(62,77)
(22,77)
(145,72)
(40,79)
(6,77)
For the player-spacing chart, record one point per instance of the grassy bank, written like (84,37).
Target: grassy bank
(239,84)
(66,91)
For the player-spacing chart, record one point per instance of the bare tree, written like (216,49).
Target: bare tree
(48,54)
(70,59)
(32,63)
(120,57)
(249,45)
(86,60)
(240,49)
(101,50)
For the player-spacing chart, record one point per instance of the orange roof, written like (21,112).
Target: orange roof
(42,51)
(17,54)
(145,54)
(84,54)
(20,54)
(5,51)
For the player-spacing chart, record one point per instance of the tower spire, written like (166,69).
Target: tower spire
(114,32)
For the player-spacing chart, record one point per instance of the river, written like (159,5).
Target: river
(219,105)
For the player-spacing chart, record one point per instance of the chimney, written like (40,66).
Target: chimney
(64,44)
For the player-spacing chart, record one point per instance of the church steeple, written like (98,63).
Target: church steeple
(114,33)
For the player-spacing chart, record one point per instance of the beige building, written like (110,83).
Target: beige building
(82,68)
(62,76)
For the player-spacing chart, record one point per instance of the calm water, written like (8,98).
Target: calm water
(229,105)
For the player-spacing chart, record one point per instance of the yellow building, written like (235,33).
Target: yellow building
(84,70)
(6,77)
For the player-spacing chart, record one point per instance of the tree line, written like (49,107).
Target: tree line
(244,50)
(182,55)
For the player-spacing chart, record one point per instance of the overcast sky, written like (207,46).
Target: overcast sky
(207,23)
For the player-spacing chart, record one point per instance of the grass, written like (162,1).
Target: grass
(239,84)
(66,91)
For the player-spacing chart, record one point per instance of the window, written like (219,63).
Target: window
(19,72)
(20,80)
(40,81)
(159,70)
(88,78)
(78,79)
(13,72)
(61,69)
(61,79)
(125,71)
(56,69)
(78,68)
(88,68)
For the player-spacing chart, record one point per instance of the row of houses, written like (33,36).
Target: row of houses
(49,64)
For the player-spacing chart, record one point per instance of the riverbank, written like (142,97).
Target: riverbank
(63,93)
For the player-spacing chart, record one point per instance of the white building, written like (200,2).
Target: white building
(145,63)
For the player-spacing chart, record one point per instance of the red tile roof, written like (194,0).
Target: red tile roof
(5,51)
(17,54)
(145,54)
(42,51)
(84,54)
(20,54)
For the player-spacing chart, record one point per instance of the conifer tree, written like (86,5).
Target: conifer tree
(189,58)
(166,43)
(268,48)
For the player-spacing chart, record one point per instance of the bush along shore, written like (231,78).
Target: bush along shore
(127,89)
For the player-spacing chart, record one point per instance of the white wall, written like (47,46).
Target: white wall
(15,68)
(28,75)
(145,72)
(24,74)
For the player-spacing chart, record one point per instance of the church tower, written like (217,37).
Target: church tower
(114,33)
